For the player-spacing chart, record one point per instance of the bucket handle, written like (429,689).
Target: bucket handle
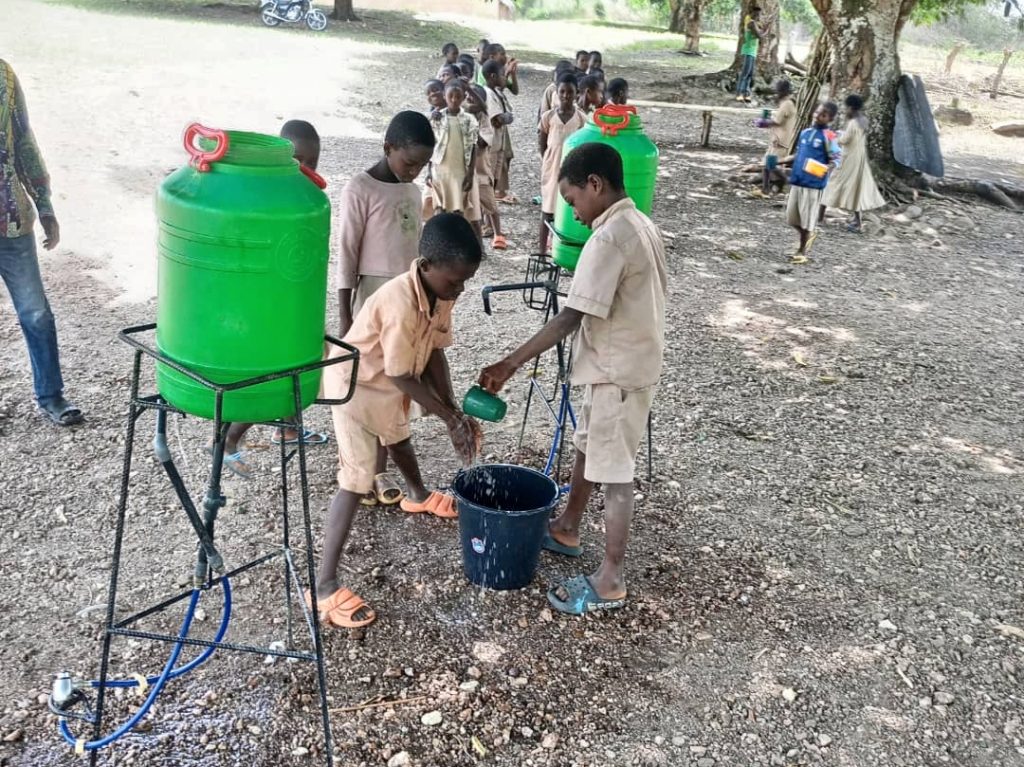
(622,114)
(201,158)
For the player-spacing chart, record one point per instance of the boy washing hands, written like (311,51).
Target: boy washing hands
(401,333)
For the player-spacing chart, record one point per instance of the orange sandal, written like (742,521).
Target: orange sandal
(339,608)
(438,504)
(499,242)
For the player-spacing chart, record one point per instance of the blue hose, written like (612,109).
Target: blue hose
(197,661)
(169,672)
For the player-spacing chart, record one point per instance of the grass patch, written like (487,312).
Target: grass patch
(374,26)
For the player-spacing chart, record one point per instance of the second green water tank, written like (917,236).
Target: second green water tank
(621,128)
(242,274)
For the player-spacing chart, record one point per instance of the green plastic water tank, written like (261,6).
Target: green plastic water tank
(620,127)
(242,274)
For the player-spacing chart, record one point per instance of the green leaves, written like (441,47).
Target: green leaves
(932,11)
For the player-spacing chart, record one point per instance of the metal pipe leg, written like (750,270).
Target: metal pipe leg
(115,558)
(563,420)
(318,646)
(286,544)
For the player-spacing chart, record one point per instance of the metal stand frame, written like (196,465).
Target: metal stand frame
(209,559)
(542,274)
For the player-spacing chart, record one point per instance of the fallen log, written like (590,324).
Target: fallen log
(749,111)
(1012,128)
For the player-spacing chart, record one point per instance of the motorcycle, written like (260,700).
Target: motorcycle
(273,12)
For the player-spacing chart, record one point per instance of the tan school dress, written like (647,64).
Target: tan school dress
(852,185)
(558,132)
(450,175)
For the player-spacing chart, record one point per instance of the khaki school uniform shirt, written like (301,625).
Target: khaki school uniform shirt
(620,285)
(378,231)
(395,333)
(782,134)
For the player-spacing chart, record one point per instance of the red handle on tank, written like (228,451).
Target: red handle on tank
(313,176)
(201,158)
(624,113)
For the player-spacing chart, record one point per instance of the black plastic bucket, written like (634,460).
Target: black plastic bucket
(503,515)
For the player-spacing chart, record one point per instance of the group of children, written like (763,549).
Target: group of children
(827,170)
(397,278)
(470,111)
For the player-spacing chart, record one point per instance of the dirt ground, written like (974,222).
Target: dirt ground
(826,569)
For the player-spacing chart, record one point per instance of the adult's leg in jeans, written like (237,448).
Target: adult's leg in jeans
(746,76)
(744,86)
(19,267)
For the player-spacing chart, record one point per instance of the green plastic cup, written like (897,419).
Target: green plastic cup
(483,405)
(766,114)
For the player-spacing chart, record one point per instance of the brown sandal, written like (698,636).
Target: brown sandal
(388,491)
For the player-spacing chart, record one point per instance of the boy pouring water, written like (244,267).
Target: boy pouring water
(617,303)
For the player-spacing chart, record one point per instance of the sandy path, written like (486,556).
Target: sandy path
(109,97)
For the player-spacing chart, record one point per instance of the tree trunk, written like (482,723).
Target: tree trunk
(343,11)
(691,12)
(1007,53)
(675,16)
(768,67)
(865,38)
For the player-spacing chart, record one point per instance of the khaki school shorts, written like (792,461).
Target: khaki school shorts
(357,451)
(609,431)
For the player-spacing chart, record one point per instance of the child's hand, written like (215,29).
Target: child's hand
(467,185)
(494,378)
(465,436)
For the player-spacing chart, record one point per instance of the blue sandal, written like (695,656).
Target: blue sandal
(582,598)
(560,548)
(235,463)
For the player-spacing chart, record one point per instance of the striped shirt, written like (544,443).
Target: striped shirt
(23,176)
